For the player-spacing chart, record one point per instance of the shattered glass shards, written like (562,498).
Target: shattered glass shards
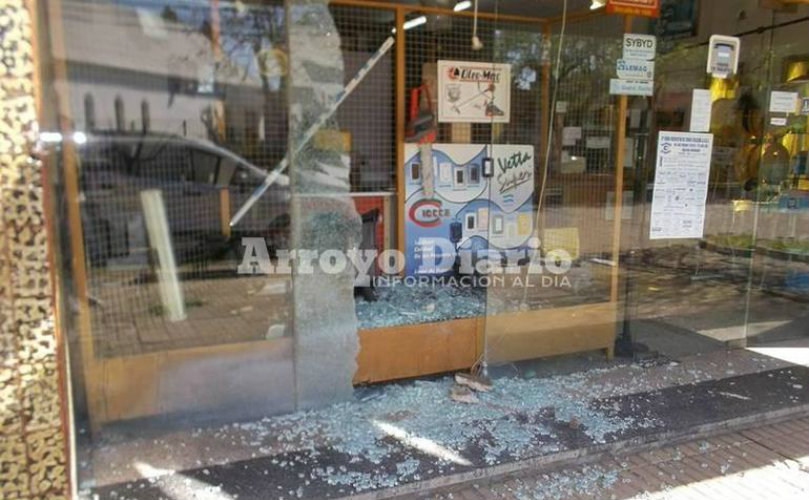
(400,303)
(586,481)
(410,429)
(405,305)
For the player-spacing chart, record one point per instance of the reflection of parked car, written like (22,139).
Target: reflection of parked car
(192,175)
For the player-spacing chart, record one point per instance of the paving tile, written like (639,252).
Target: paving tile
(726,467)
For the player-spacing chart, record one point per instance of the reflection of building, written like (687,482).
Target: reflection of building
(172,85)
(131,69)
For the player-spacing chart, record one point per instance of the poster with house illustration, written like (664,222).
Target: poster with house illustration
(479,197)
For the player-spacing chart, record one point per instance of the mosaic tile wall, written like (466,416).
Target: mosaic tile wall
(32,441)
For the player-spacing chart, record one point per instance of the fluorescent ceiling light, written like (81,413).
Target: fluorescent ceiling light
(79,138)
(50,137)
(418,21)
(597,4)
(462,5)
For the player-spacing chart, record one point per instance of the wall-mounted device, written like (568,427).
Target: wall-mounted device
(471,224)
(459,180)
(445,173)
(497,224)
(474,174)
(455,232)
(723,56)
(483,218)
(488,167)
(415,171)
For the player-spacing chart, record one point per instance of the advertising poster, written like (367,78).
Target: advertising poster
(474,92)
(467,210)
(681,185)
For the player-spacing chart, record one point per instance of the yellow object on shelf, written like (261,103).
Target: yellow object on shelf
(742,205)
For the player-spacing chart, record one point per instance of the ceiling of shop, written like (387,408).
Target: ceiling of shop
(533,8)
(528,8)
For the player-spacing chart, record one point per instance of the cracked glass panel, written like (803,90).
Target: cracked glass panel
(324,220)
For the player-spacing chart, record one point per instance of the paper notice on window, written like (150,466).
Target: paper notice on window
(635,117)
(598,142)
(783,102)
(571,135)
(701,111)
(681,185)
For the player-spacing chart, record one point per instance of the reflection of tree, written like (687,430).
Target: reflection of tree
(588,63)
(258,30)
(248,43)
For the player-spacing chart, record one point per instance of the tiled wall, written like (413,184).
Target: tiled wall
(32,440)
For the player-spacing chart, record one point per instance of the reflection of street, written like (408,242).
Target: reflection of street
(697,289)
(705,292)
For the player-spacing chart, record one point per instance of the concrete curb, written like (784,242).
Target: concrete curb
(584,455)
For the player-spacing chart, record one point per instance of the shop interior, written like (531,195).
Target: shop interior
(198,102)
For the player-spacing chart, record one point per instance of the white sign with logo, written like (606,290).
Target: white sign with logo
(474,92)
(631,87)
(681,185)
(635,69)
(641,47)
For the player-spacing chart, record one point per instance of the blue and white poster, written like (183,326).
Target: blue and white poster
(467,209)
